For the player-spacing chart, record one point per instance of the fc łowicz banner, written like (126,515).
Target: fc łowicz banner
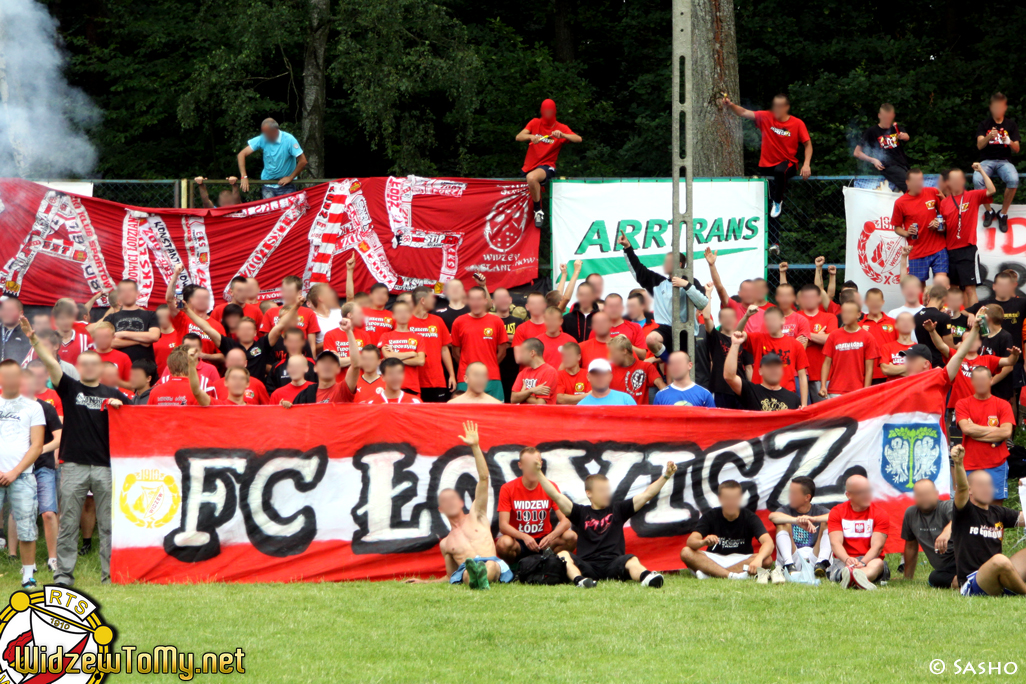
(346,492)
(407,232)
(873,256)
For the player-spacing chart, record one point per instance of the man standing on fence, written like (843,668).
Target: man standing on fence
(781,136)
(997,138)
(960,210)
(916,219)
(881,147)
(283,159)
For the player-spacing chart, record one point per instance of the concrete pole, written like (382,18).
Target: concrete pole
(682,103)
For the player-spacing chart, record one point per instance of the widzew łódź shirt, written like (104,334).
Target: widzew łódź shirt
(961,214)
(531,511)
(576,384)
(891,353)
(85,439)
(529,378)
(338,341)
(820,323)
(920,210)
(884,332)
(858,526)
(184,325)
(305,320)
(635,380)
(780,139)
(848,353)
(990,412)
(435,334)
(377,321)
(479,340)
(546,152)
(789,349)
(402,342)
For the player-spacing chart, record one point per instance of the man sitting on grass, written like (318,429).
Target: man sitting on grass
(727,534)
(927,524)
(800,535)
(528,517)
(977,531)
(858,531)
(601,549)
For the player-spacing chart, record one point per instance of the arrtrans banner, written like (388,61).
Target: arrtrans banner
(337,492)
(406,232)
(729,216)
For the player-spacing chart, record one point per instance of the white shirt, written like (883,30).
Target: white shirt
(17,418)
(329,322)
(907,309)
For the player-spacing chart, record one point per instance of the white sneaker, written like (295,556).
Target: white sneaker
(762,576)
(653,579)
(776,209)
(777,575)
(860,581)
(539,219)
(52,565)
(738,576)
(701,575)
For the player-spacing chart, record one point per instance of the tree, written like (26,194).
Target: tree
(718,135)
(314,86)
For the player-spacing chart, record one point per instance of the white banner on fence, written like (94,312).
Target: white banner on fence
(873,249)
(730,216)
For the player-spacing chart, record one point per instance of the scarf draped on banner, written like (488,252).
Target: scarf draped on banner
(335,492)
(407,232)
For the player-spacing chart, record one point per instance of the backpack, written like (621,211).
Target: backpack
(542,568)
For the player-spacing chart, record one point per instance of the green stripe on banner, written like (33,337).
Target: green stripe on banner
(617,264)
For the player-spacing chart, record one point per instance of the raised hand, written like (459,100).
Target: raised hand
(671,468)
(198,180)
(351,262)
(562,269)
(820,261)
(976,166)
(470,436)
(752,310)
(622,240)
(738,337)
(578,264)
(710,256)
(831,269)
(26,327)
(232,180)
(345,325)
(178,270)
(957,455)
(782,266)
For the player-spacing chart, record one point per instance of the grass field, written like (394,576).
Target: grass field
(688,631)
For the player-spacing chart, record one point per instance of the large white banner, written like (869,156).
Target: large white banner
(730,216)
(874,250)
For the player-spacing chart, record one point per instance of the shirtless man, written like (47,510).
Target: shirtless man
(476,377)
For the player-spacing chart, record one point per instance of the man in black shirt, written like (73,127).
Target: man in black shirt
(85,452)
(766,396)
(1005,294)
(998,342)
(601,549)
(942,322)
(977,530)
(455,302)
(959,317)
(135,328)
(577,322)
(717,347)
(927,524)
(726,533)
(882,146)
(143,377)
(997,138)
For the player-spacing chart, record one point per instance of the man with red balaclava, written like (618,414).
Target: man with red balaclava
(544,136)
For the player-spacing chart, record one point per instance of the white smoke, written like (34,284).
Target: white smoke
(41,117)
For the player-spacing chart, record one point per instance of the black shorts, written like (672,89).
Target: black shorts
(550,173)
(434,395)
(615,569)
(964,266)
(525,550)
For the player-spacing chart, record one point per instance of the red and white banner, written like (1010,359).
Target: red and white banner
(407,232)
(337,492)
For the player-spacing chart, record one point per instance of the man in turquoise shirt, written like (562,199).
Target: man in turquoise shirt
(600,375)
(283,159)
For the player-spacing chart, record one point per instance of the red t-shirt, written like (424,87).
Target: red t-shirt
(305,320)
(858,526)
(207,374)
(529,378)
(435,335)
(795,325)
(402,342)
(51,397)
(254,395)
(338,341)
(479,340)
(119,359)
(889,353)
(162,349)
(365,390)
(287,393)
(962,387)
(184,325)
(553,347)
(960,219)
(378,397)
(377,321)
(78,343)
(339,393)
(531,510)
(780,139)
(545,152)
(991,412)
(591,350)
(174,392)
(573,384)
(629,328)
(526,331)
(883,332)
(822,322)
(635,380)
(920,209)
(789,349)
(248,311)
(848,352)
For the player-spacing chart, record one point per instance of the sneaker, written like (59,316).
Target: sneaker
(586,583)
(539,218)
(821,569)
(478,574)
(762,576)
(701,575)
(988,217)
(860,581)
(791,570)
(87,546)
(738,576)
(51,565)
(901,566)
(29,583)
(845,579)
(654,580)
(776,209)
(1003,223)
(777,576)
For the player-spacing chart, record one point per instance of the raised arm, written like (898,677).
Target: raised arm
(350,288)
(968,340)
(986,179)
(241,158)
(205,326)
(170,294)
(353,371)
(730,376)
(710,258)
(204,195)
(568,290)
(473,440)
(53,366)
(961,480)
(653,489)
(561,500)
(202,398)
(737,110)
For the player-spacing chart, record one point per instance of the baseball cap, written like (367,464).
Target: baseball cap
(326,354)
(920,350)
(770,359)
(599,366)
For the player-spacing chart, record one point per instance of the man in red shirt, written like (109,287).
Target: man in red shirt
(795,324)
(537,381)
(74,340)
(544,136)
(391,391)
(297,367)
(199,299)
(848,356)
(103,339)
(526,513)
(168,338)
(176,390)
(915,218)
(821,324)
(480,336)
(533,326)
(781,136)
(892,360)
(554,338)
(404,345)
(961,209)
(236,392)
(338,341)
(238,289)
(305,319)
(207,372)
(858,531)
(986,423)
(573,378)
(376,318)
(434,332)
(597,346)
(879,325)
(773,340)
(631,375)
(618,325)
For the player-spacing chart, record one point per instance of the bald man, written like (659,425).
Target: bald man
(927,524)
(858,531)
(476,378)
(283,160)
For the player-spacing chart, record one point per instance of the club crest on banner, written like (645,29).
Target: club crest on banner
(149,498)
(911,452)
(879,250)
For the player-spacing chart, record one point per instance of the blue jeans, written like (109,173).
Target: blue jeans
(1001,168)
(46,489)
(275,190)
(22,495)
